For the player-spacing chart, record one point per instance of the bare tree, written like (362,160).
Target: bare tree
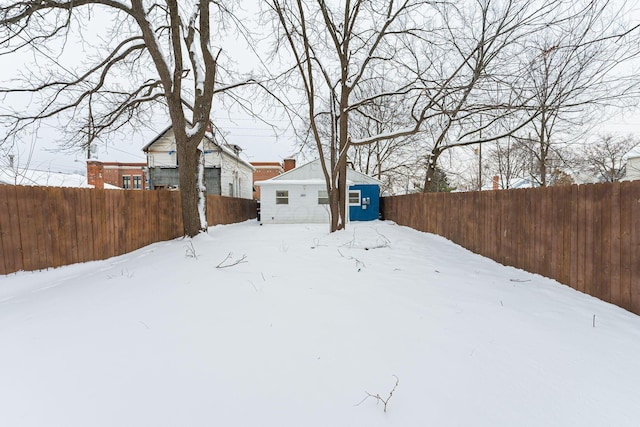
(485,98)
(156,54)
(606,156)
(509,159)
(409,45)
(336,50)
(398,162)
(573,71)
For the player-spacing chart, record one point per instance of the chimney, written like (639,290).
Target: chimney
(495,182)
(289,164)
(95,174)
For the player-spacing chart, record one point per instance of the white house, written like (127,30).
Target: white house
(226,173)
(633,168)
(300,196)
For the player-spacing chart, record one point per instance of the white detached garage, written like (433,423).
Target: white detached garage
(300,195)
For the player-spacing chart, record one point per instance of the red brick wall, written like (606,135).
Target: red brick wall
(264,171)
(115,172)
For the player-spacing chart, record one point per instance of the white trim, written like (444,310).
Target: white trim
(359,197)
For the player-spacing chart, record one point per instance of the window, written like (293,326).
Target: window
(354,197)
(282,197)
(323,197)
(126,182)
(137,181)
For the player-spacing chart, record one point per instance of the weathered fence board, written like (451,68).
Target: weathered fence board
(587,236)
(635,249)
(9,229)
(42,227)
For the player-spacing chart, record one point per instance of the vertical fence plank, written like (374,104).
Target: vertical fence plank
(44,240)
(546,236)
(626,259)
(98,224)
(85,226)
(26,213)
(119,216)
(508,248)
(481,204)
(604,260)
(10,230)
(490,235)
(49,219)
(152,216)
(555,205)
(581,233)
(635,247)
(521,228)
(593,222)
(4,234)
(536,231)
(69,206)
(58,228)
(614,244)
(572,236)
(495,221)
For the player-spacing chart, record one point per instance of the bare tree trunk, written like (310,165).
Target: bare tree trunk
(334,207)
(188,161)
(432,161)
(343,191)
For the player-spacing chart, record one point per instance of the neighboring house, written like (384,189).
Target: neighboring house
(128,176)
(300,196)
(268,170)
(225,172)
(632,168)
(20,176)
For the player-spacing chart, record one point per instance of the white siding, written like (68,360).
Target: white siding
(633,169)
(236,176)
(312,170)
(303,205)
(212,155)
(162,153)
(303,184)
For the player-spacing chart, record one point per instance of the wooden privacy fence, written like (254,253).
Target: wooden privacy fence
(587,236)
(43,227)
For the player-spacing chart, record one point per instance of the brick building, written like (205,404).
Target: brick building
(268,170)
(129,176)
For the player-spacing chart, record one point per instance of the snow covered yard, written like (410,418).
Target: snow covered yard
(300,331)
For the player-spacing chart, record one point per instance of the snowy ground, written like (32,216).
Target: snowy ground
(299,334)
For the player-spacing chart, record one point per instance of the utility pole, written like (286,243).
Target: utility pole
(480,159)
(480,164)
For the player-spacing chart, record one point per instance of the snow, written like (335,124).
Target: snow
(299,334)
(292,182)
(33,177)
(192,130)
(202,190)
